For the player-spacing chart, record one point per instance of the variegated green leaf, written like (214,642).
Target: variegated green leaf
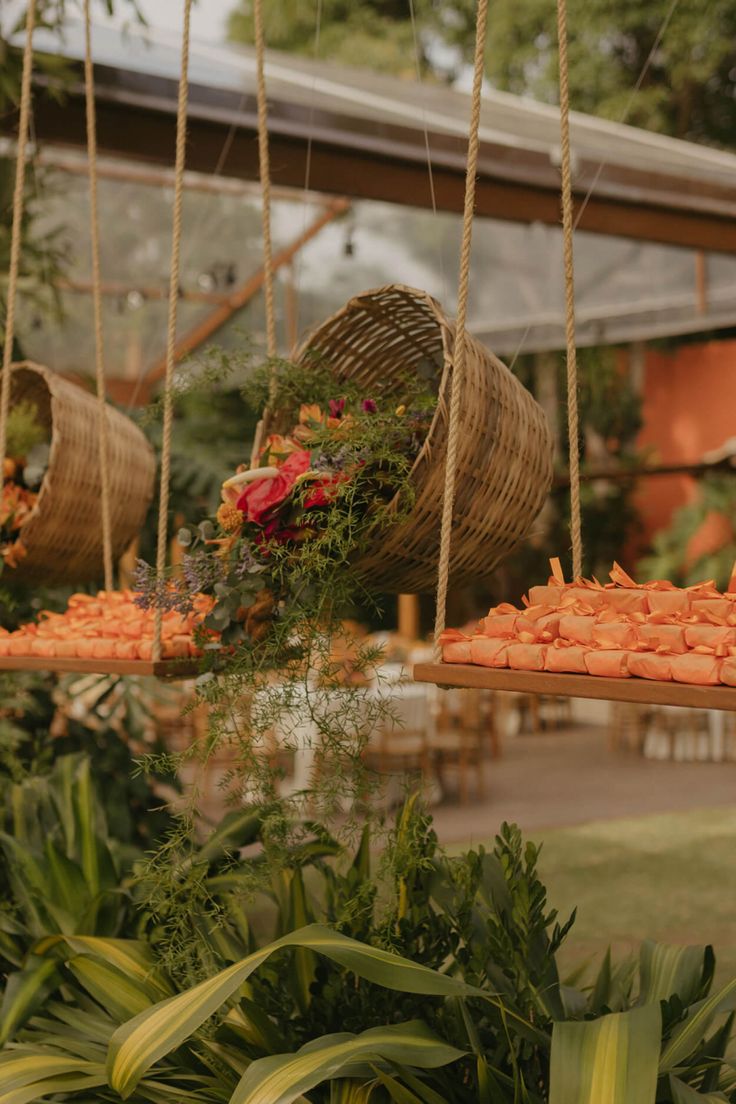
(687,1036)
(665,971)
(148,1037)
(70,1083)
(121,997)
(611,1060)
(283,1078)
(685,1094)
(132,958)
(25,991)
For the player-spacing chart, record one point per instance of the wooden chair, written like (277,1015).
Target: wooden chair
(464,730)
(401,745)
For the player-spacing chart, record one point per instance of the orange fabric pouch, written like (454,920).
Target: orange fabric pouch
(546,596)
(626,601)
(526,657)
(608,663)
(703,670)
(712,609)
(728,671)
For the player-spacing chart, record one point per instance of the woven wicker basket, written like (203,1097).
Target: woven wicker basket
(505,455)
(63,537)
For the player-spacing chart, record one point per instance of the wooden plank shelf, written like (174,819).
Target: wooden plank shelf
(164,668)
(643,691)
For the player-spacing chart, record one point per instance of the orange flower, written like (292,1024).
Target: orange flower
(278,449)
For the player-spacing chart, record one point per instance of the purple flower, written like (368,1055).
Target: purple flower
(337,406)
(369,406)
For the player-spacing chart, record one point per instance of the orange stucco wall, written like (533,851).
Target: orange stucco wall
(689,407)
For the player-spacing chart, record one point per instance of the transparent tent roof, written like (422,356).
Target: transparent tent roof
(626,290)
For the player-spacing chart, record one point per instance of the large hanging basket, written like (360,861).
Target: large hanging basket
(504,468)
(63,537)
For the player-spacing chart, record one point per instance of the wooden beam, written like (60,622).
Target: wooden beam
(243,294)
(388,163)
(724,465)
(117,289)
(643,691)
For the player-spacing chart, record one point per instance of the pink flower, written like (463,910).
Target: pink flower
(369,406)
(263,495)
(337,406)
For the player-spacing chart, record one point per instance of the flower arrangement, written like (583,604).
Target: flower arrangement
(26,460)
(315,494)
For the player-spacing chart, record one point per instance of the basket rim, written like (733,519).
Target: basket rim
(446,327)
(45,374)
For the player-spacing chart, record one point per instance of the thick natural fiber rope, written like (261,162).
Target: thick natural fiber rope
(181,146)
(456,381)
(20,176)
(567,239)
(265,175)
(94,227)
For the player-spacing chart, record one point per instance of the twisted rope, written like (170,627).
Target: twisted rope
(264,163)
(168,417)
(15,236)
(458,372)
(567,240)
(94,229)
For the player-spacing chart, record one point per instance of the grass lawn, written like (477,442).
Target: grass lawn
(671,877)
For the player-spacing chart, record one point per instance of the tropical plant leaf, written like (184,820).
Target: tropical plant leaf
(121,997)
(27,1075)
(25,991)
(149,1036)
(282,1078)
(69,1083)
(685,1094)
(688,1035)
(665,971)
(611,1060)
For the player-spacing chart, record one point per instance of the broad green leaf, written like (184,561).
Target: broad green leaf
(120,996)
(131,957)
(666,970)
(25,991)
(282,1078)
(687,1036)
(685,1094)
(305,961)
(69,1083)
(149,1036)
(21,1067)
(67,884)
(611,1060)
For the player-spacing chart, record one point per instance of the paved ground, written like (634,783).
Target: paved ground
(571,777)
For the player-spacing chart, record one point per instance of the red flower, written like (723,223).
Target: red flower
(337,408)
(324,490)
(262,495)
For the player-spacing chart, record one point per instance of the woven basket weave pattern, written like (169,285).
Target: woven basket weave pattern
(505,453)
(64,535)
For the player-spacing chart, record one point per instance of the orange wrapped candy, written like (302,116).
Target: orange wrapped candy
(614,635)
(455,647)
(608,663)
(703,670)
(728,671)
(570,660)
(526,657)
(487,651)
(502,626)
(546,595)
(667,637)
(651,665)
(668,601)
(577,629)
(709,635)
(712,610)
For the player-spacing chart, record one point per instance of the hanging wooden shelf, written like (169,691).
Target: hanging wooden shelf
(163,668)
(641,691)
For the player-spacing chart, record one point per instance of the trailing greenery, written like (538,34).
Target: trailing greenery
(282,576)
